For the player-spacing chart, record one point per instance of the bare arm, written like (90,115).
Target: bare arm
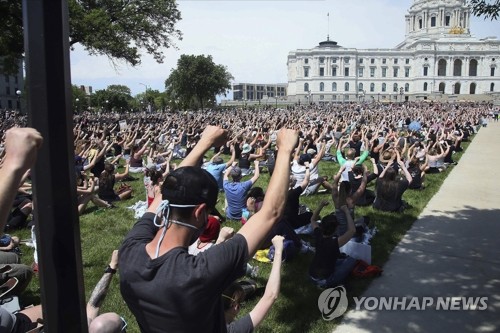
(351,229)
(261,223)
(272,290)
(211,136)
(21,146)
(256,173)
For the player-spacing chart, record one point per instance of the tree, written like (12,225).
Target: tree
(113,98)
(197,80)
(488,9)
(115,28)
(80,99)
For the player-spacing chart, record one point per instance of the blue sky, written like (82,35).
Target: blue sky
(253,38)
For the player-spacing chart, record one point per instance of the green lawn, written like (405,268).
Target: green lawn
(296,309)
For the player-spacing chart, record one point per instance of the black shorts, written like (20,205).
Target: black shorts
(23,323)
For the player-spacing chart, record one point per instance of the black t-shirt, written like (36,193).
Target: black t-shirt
(292,203)
(392,202)
(178,292)
(325,258)
(243,325)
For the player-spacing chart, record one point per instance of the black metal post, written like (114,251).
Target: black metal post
(54,187)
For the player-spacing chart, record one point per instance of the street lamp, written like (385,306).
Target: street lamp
(107,105)
(77,100)
(146,94)
(276,105)
(18,94)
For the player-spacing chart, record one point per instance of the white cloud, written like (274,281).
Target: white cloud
(253,38)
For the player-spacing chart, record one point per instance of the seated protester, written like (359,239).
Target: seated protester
(436,158)
(342,195)
(136,154)
(254,199)
(299,168)
(328,268)
(350,158)
(389,190)
(208,237)
(155,250)
(234,295)
(23,206)
(107,183)
(152,179)
(216,167)
(417,173)
(86,191)
(292,213)
(367,197)
(236,190)
(246,158)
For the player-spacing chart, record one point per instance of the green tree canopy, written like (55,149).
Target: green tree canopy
(115,28)
(197,80)
(488,9)
(113,98)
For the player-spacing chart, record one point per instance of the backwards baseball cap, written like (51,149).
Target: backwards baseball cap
(190,186)
(304,158)
(218,160)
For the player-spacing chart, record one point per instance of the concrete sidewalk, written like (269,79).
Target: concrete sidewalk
(452,250)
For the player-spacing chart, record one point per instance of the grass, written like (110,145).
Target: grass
(296,308)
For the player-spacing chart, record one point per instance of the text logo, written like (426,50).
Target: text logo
(333,303)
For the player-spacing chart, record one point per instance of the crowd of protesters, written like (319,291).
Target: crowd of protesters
(395,145)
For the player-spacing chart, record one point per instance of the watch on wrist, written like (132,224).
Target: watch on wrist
(109,270)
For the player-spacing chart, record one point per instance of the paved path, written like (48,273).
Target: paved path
(453,249)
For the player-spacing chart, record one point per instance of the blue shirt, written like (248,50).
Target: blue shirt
(235,196)
(217,171)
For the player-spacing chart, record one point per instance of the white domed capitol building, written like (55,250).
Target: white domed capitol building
(438,60)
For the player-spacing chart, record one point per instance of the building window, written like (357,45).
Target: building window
(346,60)
(426,70)
(372,60)
(372,87)
(442,67)
(442,87)
(396,71)
(360,87)
(321,86)
(306,72)
(321,60)
(346,71)
(321,97)
(384,60)
(395,87)
(334,71)
(306,60)
(473,67)
(492,71)
(457,67)
(425,86)
(472,89)
(9,104)
(395,61)
(457,87)
(306,87)
(447,20)
(346,86)
(492,86)
(321,71)
(407,72)
(7,79)
(407,61)
(433,21)
(334,86)
(15,80)
(360,60)
(420,23)
(407,87)
(334,97)
(372,72)
(384,87)
(334,60)
(7,90)
(384,72)
(360,72)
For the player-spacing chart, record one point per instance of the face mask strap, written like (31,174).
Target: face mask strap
(164,209)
